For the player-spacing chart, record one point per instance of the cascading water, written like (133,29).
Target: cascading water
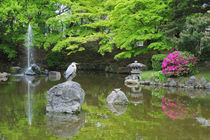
(32,69)
(29,45)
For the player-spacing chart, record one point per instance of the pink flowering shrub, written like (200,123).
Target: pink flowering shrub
(178,63)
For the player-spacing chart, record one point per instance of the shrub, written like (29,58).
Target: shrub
(179,63)
(159,76)
(157,61)
(55,59)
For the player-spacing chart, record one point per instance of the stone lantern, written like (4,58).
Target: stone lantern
(135,73)
(136,67)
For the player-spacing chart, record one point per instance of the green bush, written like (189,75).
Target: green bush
(159,76)
(157,61)
(55,59)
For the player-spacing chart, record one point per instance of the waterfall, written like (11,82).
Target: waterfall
(29,45)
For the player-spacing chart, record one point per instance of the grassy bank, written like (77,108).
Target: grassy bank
(203,72)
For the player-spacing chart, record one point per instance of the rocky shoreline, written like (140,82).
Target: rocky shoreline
(191,83)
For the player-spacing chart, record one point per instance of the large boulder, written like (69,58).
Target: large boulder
(65,125)
(117,97)
(66,97)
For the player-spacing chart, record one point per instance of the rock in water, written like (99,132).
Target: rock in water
(192,81)
(3,75)
(172,83)
(117,97)
(207,86)
(34,69)
(66,97)
(203,81)
(29,71)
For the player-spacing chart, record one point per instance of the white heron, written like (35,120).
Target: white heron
(70,73)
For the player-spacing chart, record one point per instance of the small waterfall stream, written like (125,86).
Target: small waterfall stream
(29,45)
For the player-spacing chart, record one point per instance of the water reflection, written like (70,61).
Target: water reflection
(146,119)
(65,125)
(135,94)
(117,109)
(31,83)
(177,108)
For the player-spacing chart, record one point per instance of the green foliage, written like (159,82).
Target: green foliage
(8,49)
(128,28)
(179,10)
(54,59)
(205,54)
(116,25)
(159,76)
(14,19)
(196,35)
(157,61)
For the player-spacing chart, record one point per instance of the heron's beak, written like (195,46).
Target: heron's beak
(77,63)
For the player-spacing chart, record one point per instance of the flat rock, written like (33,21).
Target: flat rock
(66,97)
(181,85)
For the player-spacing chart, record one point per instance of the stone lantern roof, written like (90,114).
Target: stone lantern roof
(136,67)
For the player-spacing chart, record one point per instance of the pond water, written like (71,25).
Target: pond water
(153,113)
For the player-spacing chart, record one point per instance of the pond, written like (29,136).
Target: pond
(153,113)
